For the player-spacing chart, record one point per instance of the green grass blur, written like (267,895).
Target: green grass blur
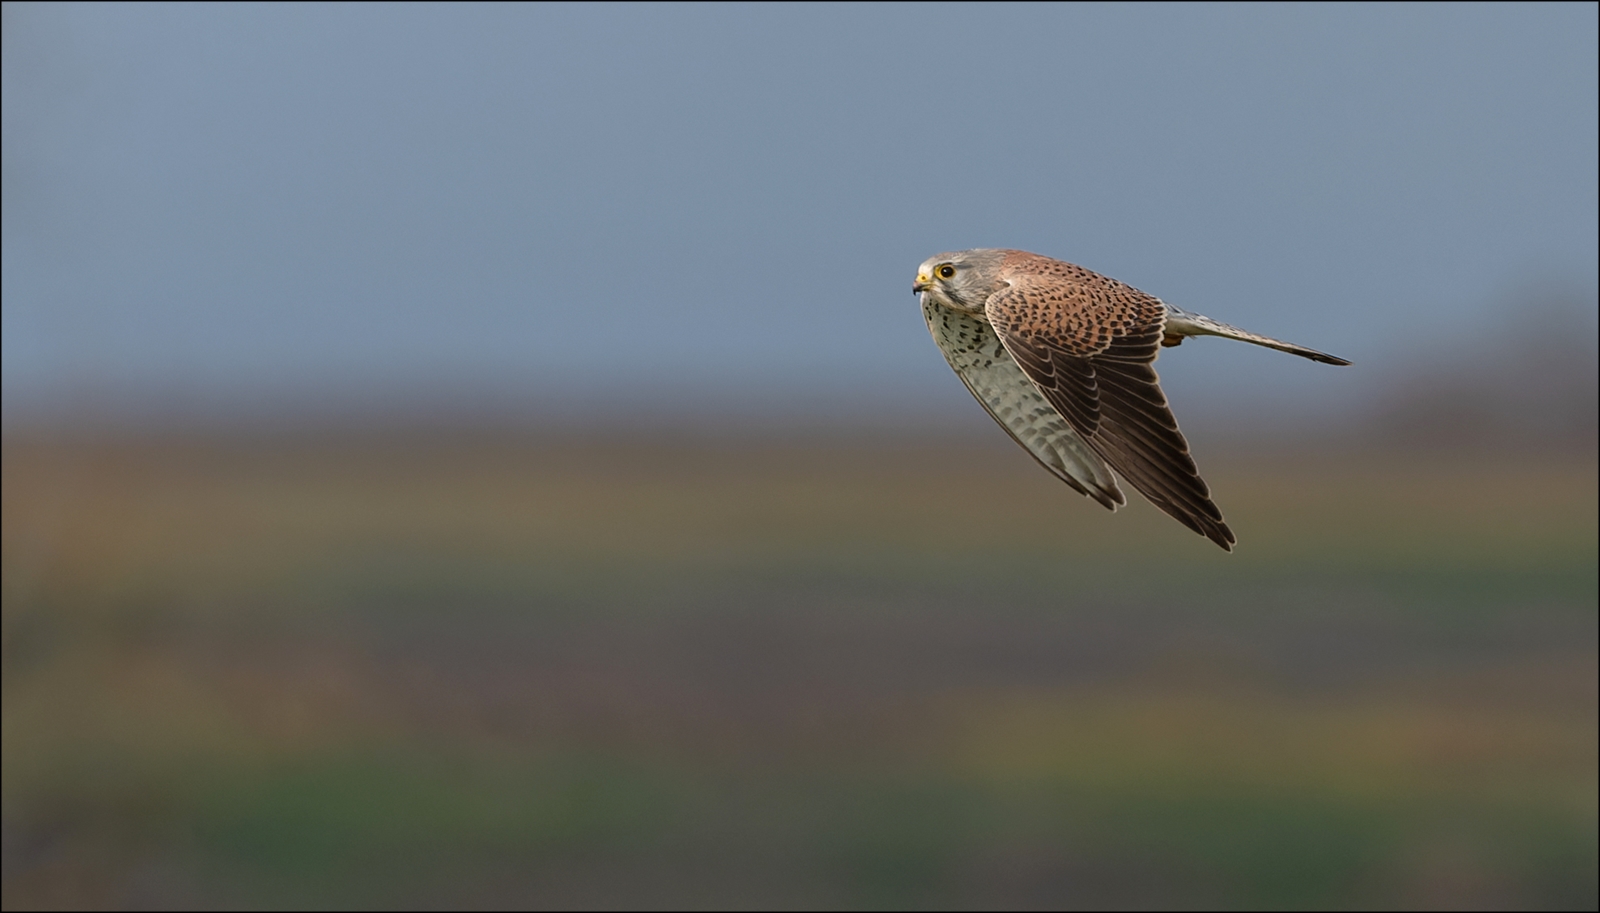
(490,670)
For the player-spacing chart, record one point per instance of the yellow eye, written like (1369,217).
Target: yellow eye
(946,271)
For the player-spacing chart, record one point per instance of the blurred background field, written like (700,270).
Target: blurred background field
(403,669)
(487,455)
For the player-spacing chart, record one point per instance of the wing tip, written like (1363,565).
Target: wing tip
(1110,500)
(1212,528)
(1223,537)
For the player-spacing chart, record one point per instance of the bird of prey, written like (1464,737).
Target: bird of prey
(1063,358)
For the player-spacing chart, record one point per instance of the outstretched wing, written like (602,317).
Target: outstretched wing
(972,349)
(1089,344)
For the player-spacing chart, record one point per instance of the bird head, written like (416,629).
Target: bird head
(962,280)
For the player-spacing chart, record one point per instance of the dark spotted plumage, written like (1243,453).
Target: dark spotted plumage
(1082,345)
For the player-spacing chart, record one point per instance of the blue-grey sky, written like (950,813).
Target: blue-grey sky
(546,207)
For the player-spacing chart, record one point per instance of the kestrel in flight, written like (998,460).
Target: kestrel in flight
(1063,358)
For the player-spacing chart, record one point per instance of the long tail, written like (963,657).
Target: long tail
(1181,323)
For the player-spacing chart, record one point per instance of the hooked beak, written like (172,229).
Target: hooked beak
(922,284)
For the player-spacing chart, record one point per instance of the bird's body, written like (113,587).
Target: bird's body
(1062,358)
